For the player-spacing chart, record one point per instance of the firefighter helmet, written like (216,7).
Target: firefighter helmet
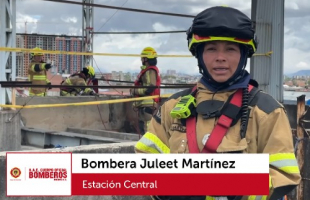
(221,23)
(149,52)
(91,71)
(37,53)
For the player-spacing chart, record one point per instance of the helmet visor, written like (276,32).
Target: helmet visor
(198,39)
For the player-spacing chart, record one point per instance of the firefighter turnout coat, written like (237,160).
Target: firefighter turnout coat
(38,77)
(147,77)
(268,131)
(78,79)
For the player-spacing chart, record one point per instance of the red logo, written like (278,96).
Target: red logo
(58,174)
(15,172)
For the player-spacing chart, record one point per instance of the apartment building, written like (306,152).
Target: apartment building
(62,63)
(68,63)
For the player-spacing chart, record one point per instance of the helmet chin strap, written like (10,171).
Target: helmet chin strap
(239,73)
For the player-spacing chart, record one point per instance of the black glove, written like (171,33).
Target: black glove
(93,93)
(49,84)
(48,66)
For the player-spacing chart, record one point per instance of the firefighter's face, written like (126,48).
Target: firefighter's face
(37,58)
(221,59)
(143,60)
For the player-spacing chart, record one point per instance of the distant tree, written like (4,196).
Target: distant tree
(286,79)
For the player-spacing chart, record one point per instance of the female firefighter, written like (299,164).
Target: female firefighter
(222,38)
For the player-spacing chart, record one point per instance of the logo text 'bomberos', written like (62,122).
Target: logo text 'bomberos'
(58,174)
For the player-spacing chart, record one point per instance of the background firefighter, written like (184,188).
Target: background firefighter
(37,73)
(78,79)
(222,39)
(148,76)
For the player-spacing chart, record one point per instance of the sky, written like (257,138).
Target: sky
(45,17)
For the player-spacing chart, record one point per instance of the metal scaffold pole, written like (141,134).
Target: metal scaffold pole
(267,69)
(7,39)
(87,26)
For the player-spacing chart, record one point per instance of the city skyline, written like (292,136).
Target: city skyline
(68,64)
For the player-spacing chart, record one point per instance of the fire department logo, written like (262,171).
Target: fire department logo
(15,172)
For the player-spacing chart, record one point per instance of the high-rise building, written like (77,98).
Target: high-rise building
(171,72)
(68,63)
(62,63)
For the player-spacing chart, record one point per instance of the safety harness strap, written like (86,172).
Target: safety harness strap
(219,130)
(191,135)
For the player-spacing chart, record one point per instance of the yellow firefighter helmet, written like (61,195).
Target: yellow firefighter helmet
(149,52)
(91,70)
(37,53)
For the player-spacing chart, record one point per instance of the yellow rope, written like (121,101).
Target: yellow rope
(100,54)
(81,53)
(86,103)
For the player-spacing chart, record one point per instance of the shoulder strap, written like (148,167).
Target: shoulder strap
(219,131)
(152,67)
(181,93)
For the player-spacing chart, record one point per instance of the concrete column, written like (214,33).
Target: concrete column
(10,133)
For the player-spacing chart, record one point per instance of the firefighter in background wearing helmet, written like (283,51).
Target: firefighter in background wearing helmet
(37,73)
(78,79)
(148,76)
(222,39)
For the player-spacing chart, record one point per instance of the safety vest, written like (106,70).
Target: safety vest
(215,138)
(138,81)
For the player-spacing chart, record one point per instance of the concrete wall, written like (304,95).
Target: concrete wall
(104,133)
(109,148)
(115,117)
(10,133)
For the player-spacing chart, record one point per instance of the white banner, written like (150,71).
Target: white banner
(38,174)
(170,163)
(53,174)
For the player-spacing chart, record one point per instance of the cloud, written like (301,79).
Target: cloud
(294,59)
(60,18)
(69,19)
(291,5)
(302,65)
(26,23)
(132,44)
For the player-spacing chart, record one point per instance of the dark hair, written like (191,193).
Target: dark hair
(85,71)
(152,61)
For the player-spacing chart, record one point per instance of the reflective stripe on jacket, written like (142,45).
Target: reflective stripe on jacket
(76,80)
(37,78)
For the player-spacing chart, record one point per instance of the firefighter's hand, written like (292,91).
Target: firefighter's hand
(49,85)
(94,93)
(48,66)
